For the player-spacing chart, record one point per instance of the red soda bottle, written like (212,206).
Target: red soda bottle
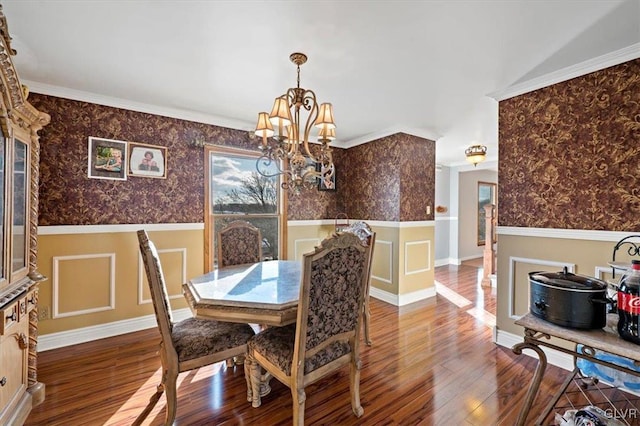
(629,304)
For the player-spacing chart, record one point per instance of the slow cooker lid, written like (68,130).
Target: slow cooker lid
(568,280)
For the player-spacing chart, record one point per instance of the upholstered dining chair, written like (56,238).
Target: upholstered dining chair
(186,345)
(326,335)
(239,242)
(368,238)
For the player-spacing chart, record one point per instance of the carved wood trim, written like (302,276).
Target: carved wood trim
(17,113)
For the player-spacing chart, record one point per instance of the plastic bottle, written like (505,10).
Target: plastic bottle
(629,304)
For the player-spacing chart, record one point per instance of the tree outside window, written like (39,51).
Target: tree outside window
(239,192)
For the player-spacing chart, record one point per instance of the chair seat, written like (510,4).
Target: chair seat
(277,343)
(194,338)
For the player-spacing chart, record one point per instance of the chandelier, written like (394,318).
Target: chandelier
(476,154)
(286,143)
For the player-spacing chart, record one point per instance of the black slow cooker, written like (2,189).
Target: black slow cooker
(568,299)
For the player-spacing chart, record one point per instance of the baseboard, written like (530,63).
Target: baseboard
(87,334)
(450,261)
(443,262)
(472,257)
(557,358)
(402,299)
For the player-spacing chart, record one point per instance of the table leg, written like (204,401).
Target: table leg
(257,383)
(535,382)
(557,396)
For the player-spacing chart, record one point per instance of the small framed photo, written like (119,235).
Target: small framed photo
(147,160)
(107,159)
(327,179)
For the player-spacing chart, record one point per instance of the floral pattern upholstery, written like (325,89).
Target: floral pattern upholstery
(192,338)
(336,284)
(367,237)
(195,338)
(335,289)
(277,344)
(239,242)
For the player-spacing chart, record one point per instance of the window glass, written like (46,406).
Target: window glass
(19,230)
(239,192)
(2,233)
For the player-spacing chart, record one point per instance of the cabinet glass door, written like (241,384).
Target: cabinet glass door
(19,228)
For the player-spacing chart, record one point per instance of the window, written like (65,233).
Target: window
(238,192)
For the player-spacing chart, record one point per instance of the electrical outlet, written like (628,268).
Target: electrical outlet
(43,313)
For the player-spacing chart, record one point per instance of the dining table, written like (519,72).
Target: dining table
(264,293)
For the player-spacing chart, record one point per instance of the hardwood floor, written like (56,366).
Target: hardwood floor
(431,363)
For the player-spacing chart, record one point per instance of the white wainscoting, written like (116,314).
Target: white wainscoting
(56,284)
(412,246)
(383,249)
(513,262)
(304,245)
(101,331)
(142,274)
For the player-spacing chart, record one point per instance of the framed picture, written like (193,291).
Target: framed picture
(147,160)
(327,180)
(107,159)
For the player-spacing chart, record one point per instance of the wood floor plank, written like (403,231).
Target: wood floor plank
(431,363)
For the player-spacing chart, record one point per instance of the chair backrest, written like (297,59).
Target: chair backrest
(157,286)
(367,237)
(239,242)
(331,296)
(361,229)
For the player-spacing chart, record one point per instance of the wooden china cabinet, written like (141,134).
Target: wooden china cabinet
(19,278)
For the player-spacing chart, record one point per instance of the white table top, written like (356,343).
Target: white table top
(264,292)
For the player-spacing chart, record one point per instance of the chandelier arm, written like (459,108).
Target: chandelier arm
(311,105)
(266,159)
(311,174)
(291,101)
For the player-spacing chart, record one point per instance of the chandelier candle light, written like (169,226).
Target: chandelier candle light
(476,154)
(289,148)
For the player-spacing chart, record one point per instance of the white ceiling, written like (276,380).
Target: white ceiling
(423,67)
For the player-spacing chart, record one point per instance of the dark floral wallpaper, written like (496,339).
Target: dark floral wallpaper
(570,153)
(417,177)
(392,178)
(316,205)
(69,197)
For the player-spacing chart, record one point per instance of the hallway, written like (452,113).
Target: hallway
(460,285)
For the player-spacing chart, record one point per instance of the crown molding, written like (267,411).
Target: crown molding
(421,133)
(78,95)
(94,98)
(181,114)
(608,60)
